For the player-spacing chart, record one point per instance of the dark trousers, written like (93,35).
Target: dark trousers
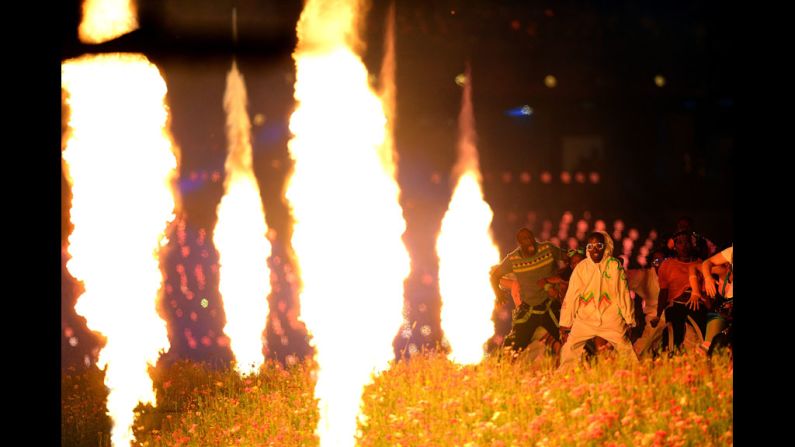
(521,333)
(677,315)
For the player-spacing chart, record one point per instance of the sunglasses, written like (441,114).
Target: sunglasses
(598,246)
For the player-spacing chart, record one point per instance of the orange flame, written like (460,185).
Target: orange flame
(239,235)
(105,20)
(388,92)
(120,162)
(466,250)
(347,218)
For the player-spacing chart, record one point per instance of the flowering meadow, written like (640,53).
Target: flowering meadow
(685,400)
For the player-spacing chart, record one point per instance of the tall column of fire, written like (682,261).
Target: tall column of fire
(121,164)
(466,249)
(239,236)
(348,222)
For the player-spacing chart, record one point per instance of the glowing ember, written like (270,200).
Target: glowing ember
(106,19)
(239,236)
(120,162)
(466,250)
(347,219)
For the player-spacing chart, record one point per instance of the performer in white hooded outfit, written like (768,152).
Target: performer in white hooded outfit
(597,303)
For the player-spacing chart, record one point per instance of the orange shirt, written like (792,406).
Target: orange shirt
(673,276)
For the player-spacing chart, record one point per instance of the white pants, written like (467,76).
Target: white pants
(581,332)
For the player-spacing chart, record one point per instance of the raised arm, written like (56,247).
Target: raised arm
(706,272)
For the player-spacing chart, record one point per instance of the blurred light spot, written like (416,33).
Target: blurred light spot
(73,341)
(579,177)
(521,111)
(549,12)
(259,119)
(653,235)
(507,177)
(634,234)
(405,332)
(276,164)
(87,360)
(627,242)
(565,177)
(550,81)
(284,340)
(546,177)
(413,349)
(422,307)
(524,177)
(572,243)
(659,80)
(461,79)
(425,330)
(204,303)
(599,225)
(594,176)
(515,25)
(436,178)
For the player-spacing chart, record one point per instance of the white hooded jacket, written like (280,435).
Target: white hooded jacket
(598,294)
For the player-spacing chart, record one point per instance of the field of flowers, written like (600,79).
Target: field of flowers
(685,400)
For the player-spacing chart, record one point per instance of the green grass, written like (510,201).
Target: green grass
(429,401)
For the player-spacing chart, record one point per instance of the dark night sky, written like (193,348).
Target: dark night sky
(664,151)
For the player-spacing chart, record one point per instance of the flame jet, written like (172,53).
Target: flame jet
(348,222)
(121,164)
(466,249)
(239,236)
(105,20)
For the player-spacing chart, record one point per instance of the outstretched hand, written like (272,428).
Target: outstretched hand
(694,302)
